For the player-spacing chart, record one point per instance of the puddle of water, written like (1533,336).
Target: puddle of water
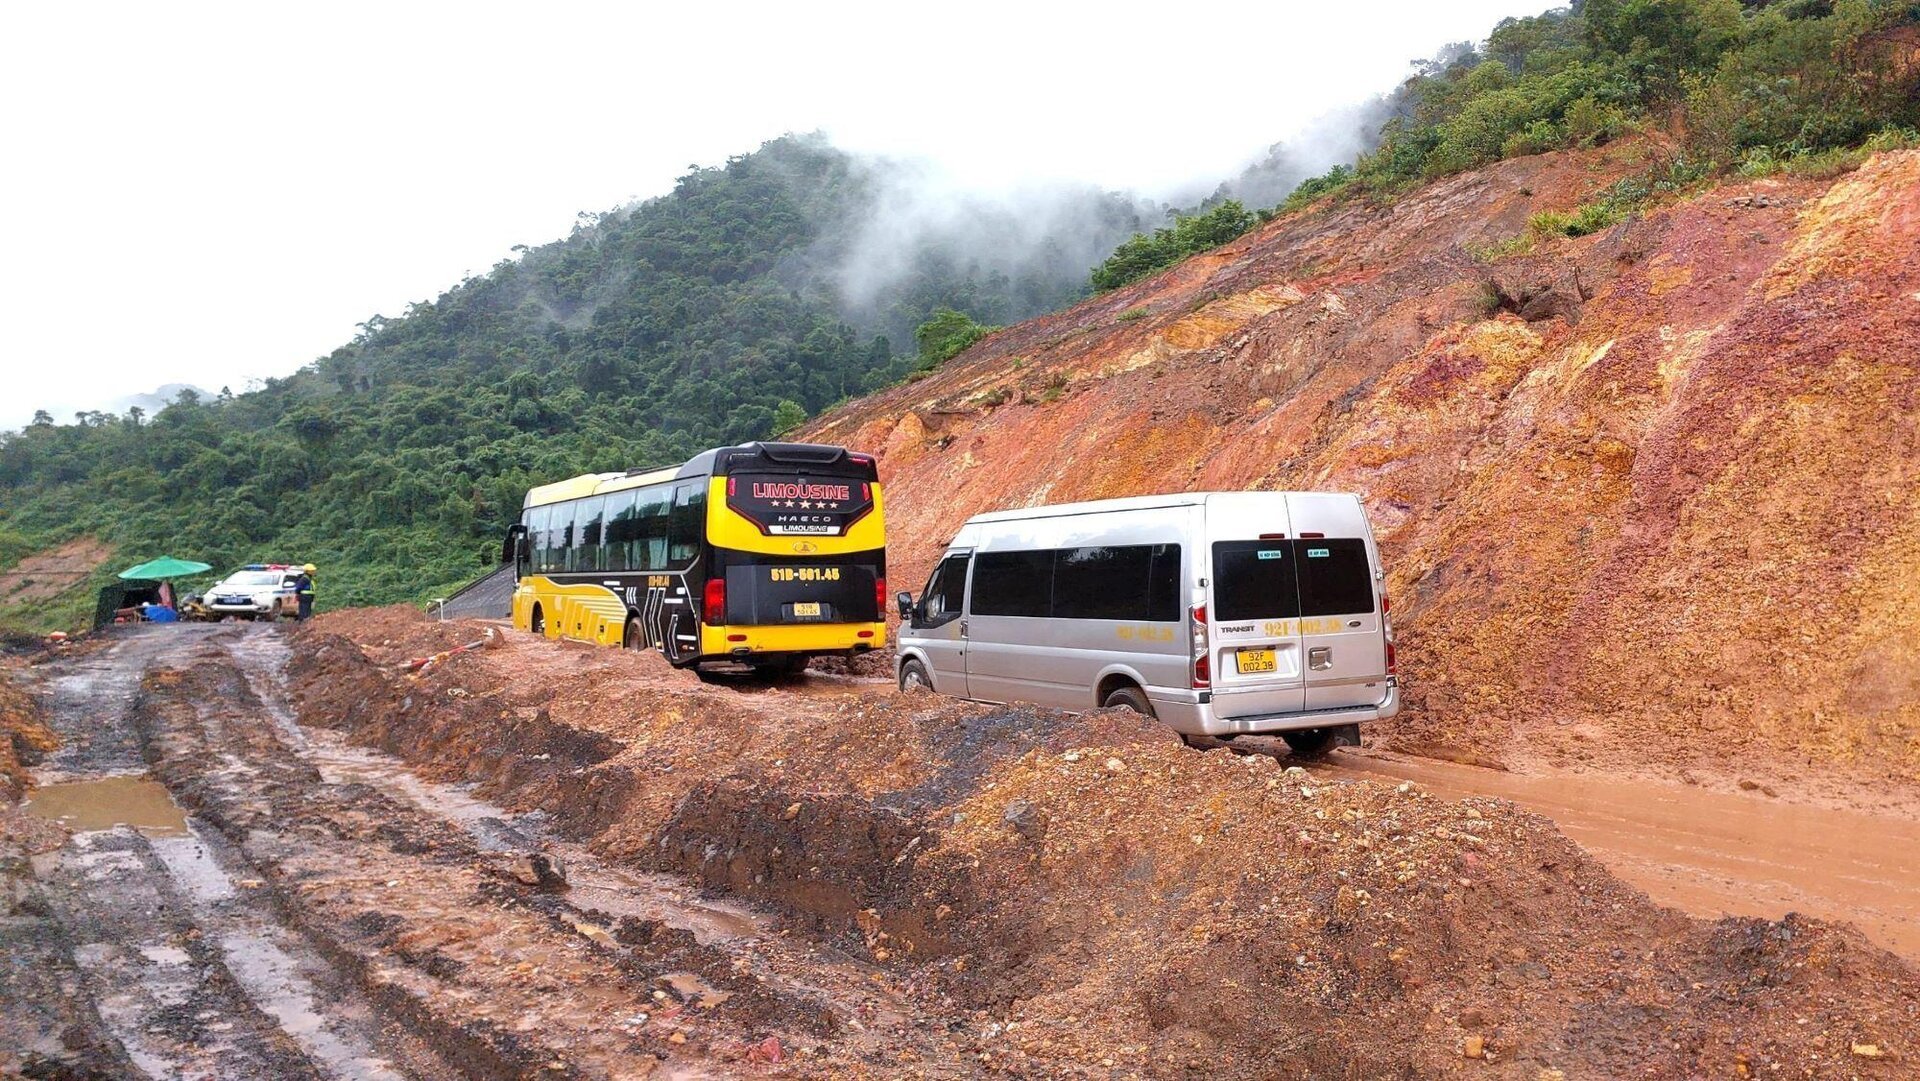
(694,990)
(1708,852)
(596,887)
(85,806)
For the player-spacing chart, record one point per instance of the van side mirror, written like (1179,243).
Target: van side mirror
(905,601)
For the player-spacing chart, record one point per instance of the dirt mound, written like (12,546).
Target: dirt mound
(24,737)
(1649,496)
(1089,895)
(54,571)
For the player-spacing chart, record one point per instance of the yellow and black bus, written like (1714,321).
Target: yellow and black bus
(763,554)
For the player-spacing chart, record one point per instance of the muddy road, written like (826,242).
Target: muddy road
(1708,853)
(262,853)
(239,895)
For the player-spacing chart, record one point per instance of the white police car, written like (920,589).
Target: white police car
(256,591)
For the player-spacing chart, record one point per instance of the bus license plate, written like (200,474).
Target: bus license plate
(806,609)
(1257,660)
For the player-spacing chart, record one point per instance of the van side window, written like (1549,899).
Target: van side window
(1136,581)
(1335,577)
(1254,580)
(946,591)
(1013,584)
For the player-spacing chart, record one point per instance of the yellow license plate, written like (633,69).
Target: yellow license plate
(1257,660)
(806,608)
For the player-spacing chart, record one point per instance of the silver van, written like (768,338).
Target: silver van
(1221,613)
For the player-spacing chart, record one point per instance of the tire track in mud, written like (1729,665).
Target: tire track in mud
(431,898)
(186,975)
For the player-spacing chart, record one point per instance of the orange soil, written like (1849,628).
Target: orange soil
(1647,498)
(54,571)
(1082,896)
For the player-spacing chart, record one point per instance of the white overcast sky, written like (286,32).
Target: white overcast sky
(209,193)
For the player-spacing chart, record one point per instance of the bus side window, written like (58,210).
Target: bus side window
(587,534)
(649,551)
(565,536)
(620,530)
(539,520)
(689,523)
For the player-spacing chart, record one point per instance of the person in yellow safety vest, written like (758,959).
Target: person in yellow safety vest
(303,588)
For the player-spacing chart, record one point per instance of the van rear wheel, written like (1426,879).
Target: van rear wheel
(1309,743)
(1132,698)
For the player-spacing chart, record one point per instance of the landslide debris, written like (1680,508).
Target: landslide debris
(24,737)
(1647,498)
(1083,895)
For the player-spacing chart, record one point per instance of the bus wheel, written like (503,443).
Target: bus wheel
(913,677)
(1310,743)
(633,639)
(1129,698)
(539,622)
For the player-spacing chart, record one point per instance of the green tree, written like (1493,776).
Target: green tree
(787,416)
(945,334)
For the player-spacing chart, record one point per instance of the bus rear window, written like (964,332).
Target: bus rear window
(1254,580)
(1335,577)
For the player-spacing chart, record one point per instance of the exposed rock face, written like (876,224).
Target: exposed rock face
(1650,490)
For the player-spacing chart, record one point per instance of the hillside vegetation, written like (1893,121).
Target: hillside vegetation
(710,315)
(754,296)
(1755,88)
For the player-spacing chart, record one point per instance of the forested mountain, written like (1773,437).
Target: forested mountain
(751,296)
(759,292)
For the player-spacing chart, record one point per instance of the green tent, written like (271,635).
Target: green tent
(165,567)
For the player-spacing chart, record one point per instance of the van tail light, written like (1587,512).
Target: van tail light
(880,597)
(1393,662)
(713,607)
(1202,666)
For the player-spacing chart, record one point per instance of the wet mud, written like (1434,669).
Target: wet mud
(239,896)
(1079,896)
(544,861)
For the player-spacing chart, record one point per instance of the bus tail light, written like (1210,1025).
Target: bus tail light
(880,597)
(1202,666)
(714,602)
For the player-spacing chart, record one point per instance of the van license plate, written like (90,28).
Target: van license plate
(1257,660)
(806,609)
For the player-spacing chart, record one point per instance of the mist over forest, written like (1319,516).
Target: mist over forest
(764,289)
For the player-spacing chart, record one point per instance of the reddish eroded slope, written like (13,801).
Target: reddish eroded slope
(1646,496)
(1052,895)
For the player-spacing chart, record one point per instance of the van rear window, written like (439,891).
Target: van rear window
(1335,577)
(1254,580)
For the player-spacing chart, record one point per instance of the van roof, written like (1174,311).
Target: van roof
(1139,502)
